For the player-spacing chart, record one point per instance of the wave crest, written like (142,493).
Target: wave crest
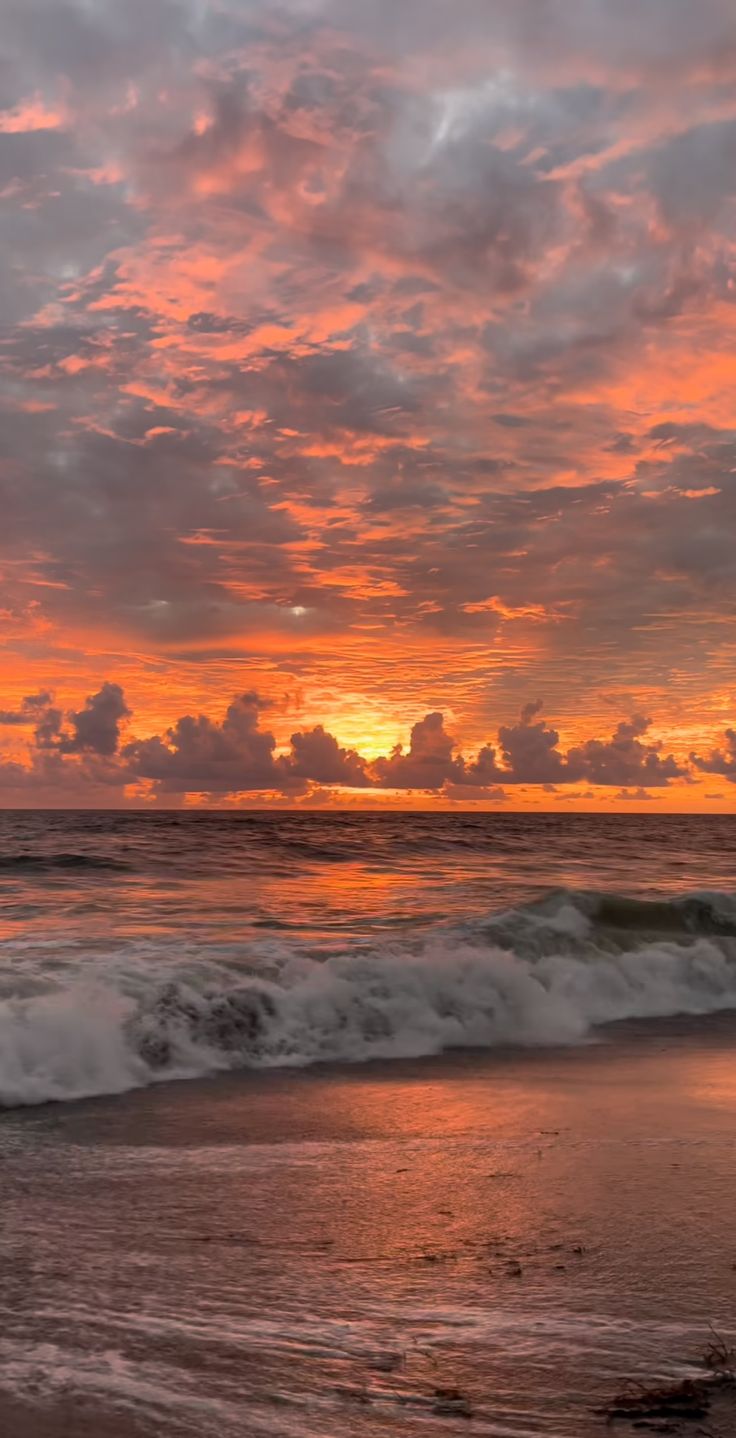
(545,974)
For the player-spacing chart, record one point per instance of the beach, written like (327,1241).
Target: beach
(481,1241)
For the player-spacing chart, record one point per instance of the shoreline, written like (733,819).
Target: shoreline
(325,1250)
(632,1037)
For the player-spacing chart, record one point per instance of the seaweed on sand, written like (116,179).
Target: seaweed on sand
(689,1398)
(663,1407)
(718,1355)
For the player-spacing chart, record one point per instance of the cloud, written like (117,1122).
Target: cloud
(357,347)
(692,175)
(719,761)
(96,727)
(624,760)
(317,755)
(93,730)
(475,793)
(530,753)
(236,754)
(199,755)
(32,706)
(29,115)
(483,771)
(70,758)
(429,761)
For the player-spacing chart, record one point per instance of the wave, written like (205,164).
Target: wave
(41,863)
(610,921)
(548,973)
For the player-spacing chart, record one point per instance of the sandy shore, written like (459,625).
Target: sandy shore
(486,1243)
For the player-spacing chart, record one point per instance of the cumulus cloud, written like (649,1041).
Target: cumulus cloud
(317,755)
(483,770)
(31,707)
(530,754)
(93,730)
(719,761)
(624,760)
(530,751)
(71,758)
(428,763)
(96,727)
(199,755)
(238,754)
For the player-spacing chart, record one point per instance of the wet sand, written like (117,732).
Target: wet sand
(486,1243)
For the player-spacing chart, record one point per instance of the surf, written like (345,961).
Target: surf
(552,972)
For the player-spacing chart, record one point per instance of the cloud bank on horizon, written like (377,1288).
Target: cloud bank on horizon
(376,360)
(85,753)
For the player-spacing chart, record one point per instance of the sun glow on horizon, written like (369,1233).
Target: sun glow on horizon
(356,405)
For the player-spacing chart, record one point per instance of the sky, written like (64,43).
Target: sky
(368,431)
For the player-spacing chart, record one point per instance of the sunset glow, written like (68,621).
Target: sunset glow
(368,425)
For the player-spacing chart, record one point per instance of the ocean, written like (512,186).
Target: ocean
(352,1124)
(145,947)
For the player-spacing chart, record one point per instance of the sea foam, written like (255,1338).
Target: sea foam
(546,974)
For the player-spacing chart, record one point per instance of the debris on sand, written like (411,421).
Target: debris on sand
(687,1399)
(388,1362)
(718,1355)
(664,1408)
(661,1409)
(451,1403)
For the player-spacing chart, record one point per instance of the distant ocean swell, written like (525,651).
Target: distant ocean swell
(548,973)
(41,863)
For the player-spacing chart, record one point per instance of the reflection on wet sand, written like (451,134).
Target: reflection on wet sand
(369,1250)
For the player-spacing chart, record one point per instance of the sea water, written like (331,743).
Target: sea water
(136,948)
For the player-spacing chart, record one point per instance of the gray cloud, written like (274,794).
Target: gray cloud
(96,727)
(719,761)
(317,755)
(32,706)
(428,763)
(624,760)
(200,755)
(530,751)
(530,755)
(693,175)
(266,277)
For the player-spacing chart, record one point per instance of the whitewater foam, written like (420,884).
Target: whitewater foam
(547,974)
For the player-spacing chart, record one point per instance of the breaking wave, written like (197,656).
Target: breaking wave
(547,973)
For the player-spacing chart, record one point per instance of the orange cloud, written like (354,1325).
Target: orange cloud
(31,115)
